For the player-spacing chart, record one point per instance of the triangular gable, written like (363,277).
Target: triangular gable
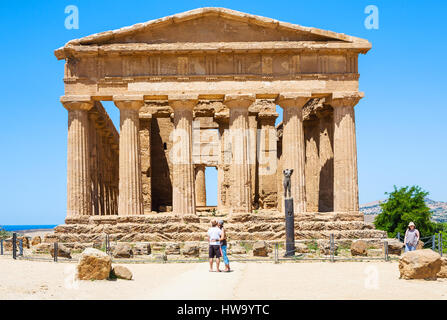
(214,25)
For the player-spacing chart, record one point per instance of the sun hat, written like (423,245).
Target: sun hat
(411,224)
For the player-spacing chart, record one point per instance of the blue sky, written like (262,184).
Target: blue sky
(401,134)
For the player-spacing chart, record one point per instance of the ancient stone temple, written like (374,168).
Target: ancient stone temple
(202,89)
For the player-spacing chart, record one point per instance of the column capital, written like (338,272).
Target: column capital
(293,99)
(345,99)
(183,101)
(239,100)
(133,102)
(77,102)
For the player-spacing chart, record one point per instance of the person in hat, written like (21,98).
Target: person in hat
(223,246)
(412,237)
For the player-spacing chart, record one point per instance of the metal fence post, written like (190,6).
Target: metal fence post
(21,247)
(398,236)
(14,245)
(1,246)
(385,249)
(442,245)
(433,242)
(439,243)
(276,253)
(56,249)
(331,247)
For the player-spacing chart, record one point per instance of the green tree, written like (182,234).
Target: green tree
(404,205)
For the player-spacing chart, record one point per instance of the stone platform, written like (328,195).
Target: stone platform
(168,227)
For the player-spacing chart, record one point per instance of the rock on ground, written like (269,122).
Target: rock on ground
(325,247)
(420,264)
(395,246)
(443,272)
(122,272)
(237,249)
(94,265)
(301,248)
(260,249)
(62,251)
(25,242)
(172,248)
(122,250)
(190,249)
(420,245)
(42,248)
(359,248)
(36,240)
(142,249)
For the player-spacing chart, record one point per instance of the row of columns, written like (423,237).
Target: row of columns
(184,199)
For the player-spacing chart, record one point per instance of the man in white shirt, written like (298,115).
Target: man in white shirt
(213,235)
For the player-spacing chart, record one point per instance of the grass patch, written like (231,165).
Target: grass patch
(312,245)
(5,234)
(246,245)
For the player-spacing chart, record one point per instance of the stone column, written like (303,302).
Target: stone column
(130,200)
(240,170)
(346,194)
(145,156)
(268,161)
(312,170)
(326,152)
(183,190)
(293,149)
(200,185)
(78,165)
(223,173)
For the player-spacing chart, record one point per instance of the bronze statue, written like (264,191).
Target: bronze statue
(287,183)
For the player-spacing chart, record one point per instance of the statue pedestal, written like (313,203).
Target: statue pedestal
(290,228)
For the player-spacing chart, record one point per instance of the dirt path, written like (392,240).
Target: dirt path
(319,280)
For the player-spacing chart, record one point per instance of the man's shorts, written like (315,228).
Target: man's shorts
(214,251)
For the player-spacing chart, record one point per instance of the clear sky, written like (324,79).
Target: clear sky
(401,134)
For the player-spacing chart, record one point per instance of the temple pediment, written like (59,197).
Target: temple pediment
(212,26)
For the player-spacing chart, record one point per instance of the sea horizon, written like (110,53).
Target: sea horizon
(21,227)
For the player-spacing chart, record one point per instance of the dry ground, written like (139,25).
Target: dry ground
(319,280)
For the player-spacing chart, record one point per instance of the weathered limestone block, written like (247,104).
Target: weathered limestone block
(420,245)
(142,249)
(359,248)
(260,249)
(62,251)
(123,250)
(94,265)
(42,248)
(190,249)
(325,247)
(443,271)
(301,248)
(236,248)
(395,246)
(36,240)
(172,248)
(420,264)
(121,272)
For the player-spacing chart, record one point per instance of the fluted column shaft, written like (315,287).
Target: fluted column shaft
(183,184)
(240,168)
(200,185)
(130,201)
(346,194)
(78,165)
(293,145)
